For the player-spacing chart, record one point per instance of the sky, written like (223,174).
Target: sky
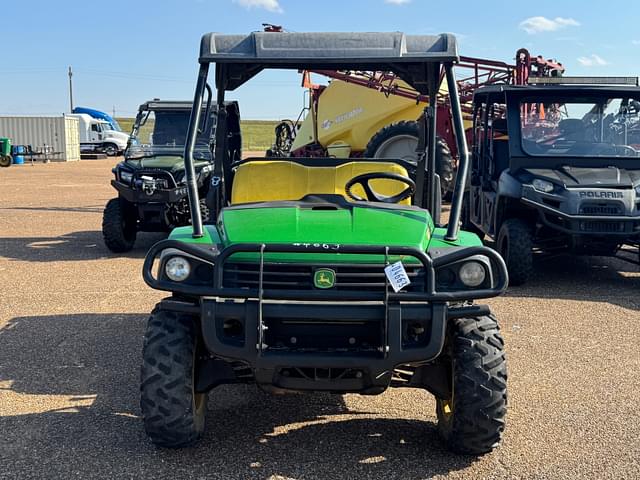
(124,52)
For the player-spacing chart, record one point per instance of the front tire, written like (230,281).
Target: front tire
(515,244)
(110,149)
(173,413)
(5,160)
(119,225)
(472,420)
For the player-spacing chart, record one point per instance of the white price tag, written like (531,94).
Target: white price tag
(397,276)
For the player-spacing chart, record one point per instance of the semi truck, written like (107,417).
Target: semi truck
(98,136)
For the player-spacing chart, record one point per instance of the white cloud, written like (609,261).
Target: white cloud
(397,2)
(635,42)
(270,5)
(592,61)
(534,25)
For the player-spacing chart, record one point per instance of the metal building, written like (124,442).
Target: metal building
(57,136)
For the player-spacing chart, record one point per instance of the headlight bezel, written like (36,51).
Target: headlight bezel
(125,176)
(185,268)
(448,276)
(479,273)
(201,270)
(542,185)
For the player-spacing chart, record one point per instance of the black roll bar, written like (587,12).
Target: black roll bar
(431,120)
(431,149)
(192,134)
(463,164)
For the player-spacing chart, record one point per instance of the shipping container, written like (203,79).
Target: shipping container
(59,136)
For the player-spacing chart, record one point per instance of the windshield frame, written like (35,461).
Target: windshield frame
(596,98)
(137,149)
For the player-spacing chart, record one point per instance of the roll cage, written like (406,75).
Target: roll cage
(420,60)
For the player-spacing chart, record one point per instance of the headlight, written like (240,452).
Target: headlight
(472,274)
(542,185)
(125,177)
(638,190)
(177,269)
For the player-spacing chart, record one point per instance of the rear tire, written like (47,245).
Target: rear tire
(472,420)
(119,225)
(173,413)
(400,141)
(515,244)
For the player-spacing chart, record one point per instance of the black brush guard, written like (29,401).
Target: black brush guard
(362,370)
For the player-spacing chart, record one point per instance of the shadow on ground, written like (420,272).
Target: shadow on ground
(86,209)
(72,385)
(74,246)
(600,279)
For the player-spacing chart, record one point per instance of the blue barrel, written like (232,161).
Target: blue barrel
(18,154)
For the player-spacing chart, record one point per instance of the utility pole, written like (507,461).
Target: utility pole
(114,111)
(70,90)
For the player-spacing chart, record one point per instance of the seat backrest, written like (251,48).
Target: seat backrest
(273,180)
(500,157)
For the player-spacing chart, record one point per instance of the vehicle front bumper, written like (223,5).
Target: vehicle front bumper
(616,226)
(263,315)
(135,195)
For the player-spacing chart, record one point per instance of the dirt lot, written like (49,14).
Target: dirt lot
(72,317)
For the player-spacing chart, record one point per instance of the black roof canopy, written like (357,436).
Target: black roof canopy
(177,105)
(240,57)
(559,90)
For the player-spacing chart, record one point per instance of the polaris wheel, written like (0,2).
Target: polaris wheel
(119,225)
(110,150)
(472,420)
(399,140)
(515,245)
(173,413)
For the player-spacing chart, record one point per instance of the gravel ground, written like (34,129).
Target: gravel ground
(71,324)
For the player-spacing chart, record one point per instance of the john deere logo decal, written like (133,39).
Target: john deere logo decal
(324,278)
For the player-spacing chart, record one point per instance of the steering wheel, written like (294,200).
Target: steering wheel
(373,196)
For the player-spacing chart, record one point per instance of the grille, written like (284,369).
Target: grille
(601,209)
(287,276)
(602,226)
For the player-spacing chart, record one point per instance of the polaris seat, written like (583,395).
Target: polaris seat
(273,180)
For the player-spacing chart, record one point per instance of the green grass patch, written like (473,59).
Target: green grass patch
(257,135)
(125,123)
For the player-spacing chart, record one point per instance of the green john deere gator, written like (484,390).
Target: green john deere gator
(325,274)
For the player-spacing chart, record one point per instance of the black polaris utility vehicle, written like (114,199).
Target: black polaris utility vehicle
(556,168)
(151,181)
(325,274)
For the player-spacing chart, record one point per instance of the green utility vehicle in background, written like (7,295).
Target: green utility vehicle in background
(5,152)
(151,181)
(325,274)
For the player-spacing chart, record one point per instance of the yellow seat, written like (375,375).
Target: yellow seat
(273,180)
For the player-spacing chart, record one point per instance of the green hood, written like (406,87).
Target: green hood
(357,225)
(360,226)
